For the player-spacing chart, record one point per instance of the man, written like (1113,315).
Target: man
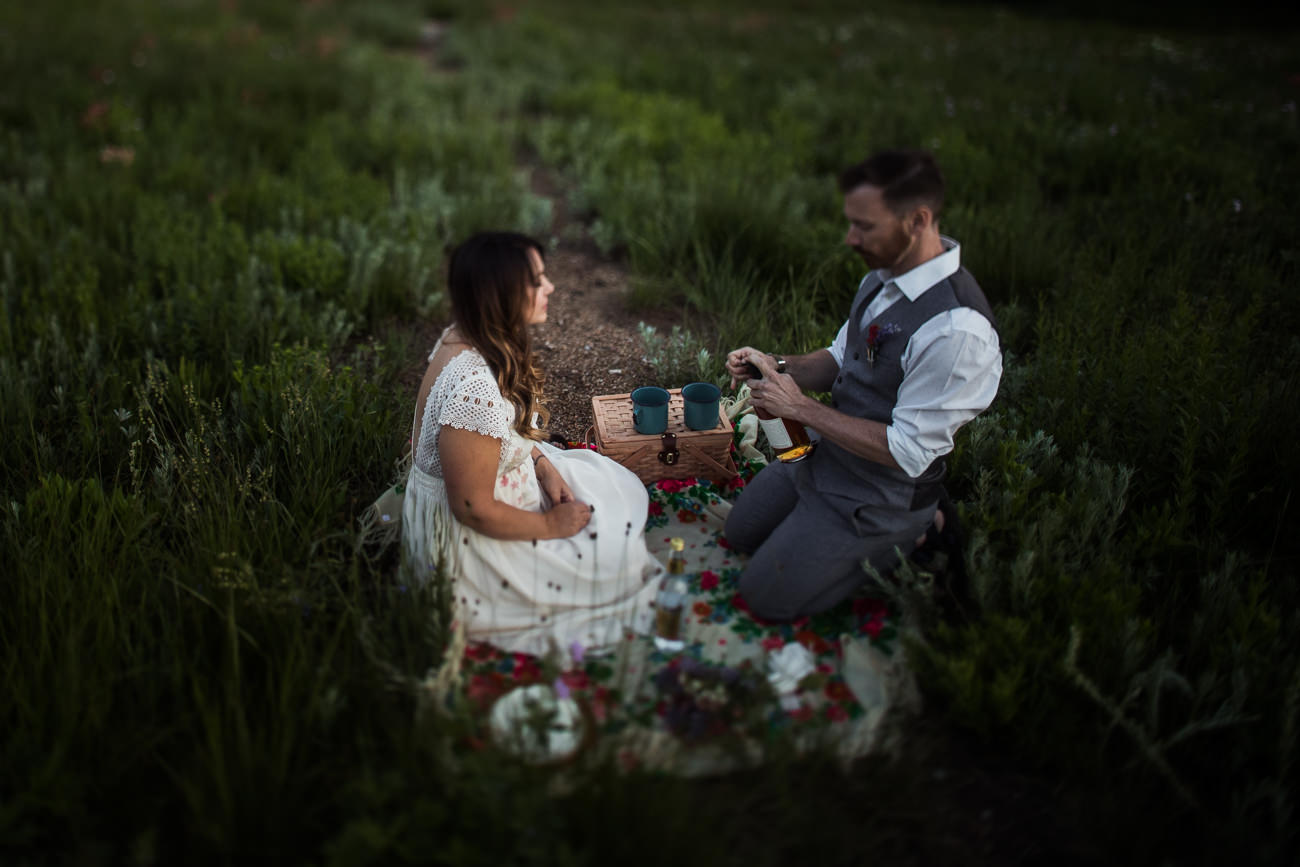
(917,358)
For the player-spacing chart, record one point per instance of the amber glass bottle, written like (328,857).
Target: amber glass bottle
(671,599)
(789,439)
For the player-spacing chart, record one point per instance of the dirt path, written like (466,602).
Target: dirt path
(590,344)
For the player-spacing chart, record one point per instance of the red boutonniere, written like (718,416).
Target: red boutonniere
(876,335)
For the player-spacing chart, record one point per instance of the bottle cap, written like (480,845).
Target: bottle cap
(677,543)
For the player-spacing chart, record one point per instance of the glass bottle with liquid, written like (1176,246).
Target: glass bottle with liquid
(789,439)
(671,599)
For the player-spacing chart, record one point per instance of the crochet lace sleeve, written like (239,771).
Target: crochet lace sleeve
(473,402)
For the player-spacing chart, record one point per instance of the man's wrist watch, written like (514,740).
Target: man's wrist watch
(780,363)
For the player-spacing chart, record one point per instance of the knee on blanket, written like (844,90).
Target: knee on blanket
(740,535)
(768,592)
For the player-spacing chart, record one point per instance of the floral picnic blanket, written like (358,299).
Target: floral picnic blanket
(721,701)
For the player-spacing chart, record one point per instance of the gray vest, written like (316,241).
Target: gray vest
(870,390)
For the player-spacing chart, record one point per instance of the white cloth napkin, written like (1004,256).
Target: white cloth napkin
(787,667)
(741,414)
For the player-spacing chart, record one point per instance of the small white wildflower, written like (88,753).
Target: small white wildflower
(1236,205)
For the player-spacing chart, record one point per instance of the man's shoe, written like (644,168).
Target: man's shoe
(943,554)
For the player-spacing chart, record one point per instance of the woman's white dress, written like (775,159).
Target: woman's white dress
(523,595)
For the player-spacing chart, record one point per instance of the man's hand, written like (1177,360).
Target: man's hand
(736,360)
(776,393)
(552,483)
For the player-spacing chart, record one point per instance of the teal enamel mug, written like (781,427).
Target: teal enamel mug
(650,409)
(700,405)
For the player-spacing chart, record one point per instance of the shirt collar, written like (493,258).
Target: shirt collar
(915,282)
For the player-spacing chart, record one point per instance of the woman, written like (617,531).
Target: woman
(546,546)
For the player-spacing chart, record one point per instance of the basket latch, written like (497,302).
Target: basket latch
(669,455)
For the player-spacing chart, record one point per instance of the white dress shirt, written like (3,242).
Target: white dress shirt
(951,366)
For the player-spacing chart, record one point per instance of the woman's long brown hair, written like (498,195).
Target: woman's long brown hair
(491,282)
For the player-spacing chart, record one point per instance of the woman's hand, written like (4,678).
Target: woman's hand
(552,483)
(566,519)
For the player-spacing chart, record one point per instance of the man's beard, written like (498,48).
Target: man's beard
(871,261)
(891,256)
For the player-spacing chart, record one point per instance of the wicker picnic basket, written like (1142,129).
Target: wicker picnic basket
(678,453)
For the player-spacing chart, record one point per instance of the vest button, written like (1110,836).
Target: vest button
(839,379)
(855,356)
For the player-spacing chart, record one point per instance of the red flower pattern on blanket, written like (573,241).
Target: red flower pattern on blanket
(717,606)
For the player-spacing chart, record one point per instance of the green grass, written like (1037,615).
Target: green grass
(199,650)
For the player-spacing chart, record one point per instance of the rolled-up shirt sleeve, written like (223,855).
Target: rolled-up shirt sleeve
(952,367)
(836,349)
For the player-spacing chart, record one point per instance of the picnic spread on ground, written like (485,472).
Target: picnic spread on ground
(729,690)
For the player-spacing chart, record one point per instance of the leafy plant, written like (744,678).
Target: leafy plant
(677,357)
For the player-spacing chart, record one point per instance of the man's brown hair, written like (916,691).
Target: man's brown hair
(906,178)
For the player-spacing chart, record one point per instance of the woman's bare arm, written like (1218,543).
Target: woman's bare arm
(469,468)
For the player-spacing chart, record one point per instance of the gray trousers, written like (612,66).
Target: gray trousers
(807,548)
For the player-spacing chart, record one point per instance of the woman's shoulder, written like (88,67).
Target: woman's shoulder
(462,362)
(469,397)
(468,376)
